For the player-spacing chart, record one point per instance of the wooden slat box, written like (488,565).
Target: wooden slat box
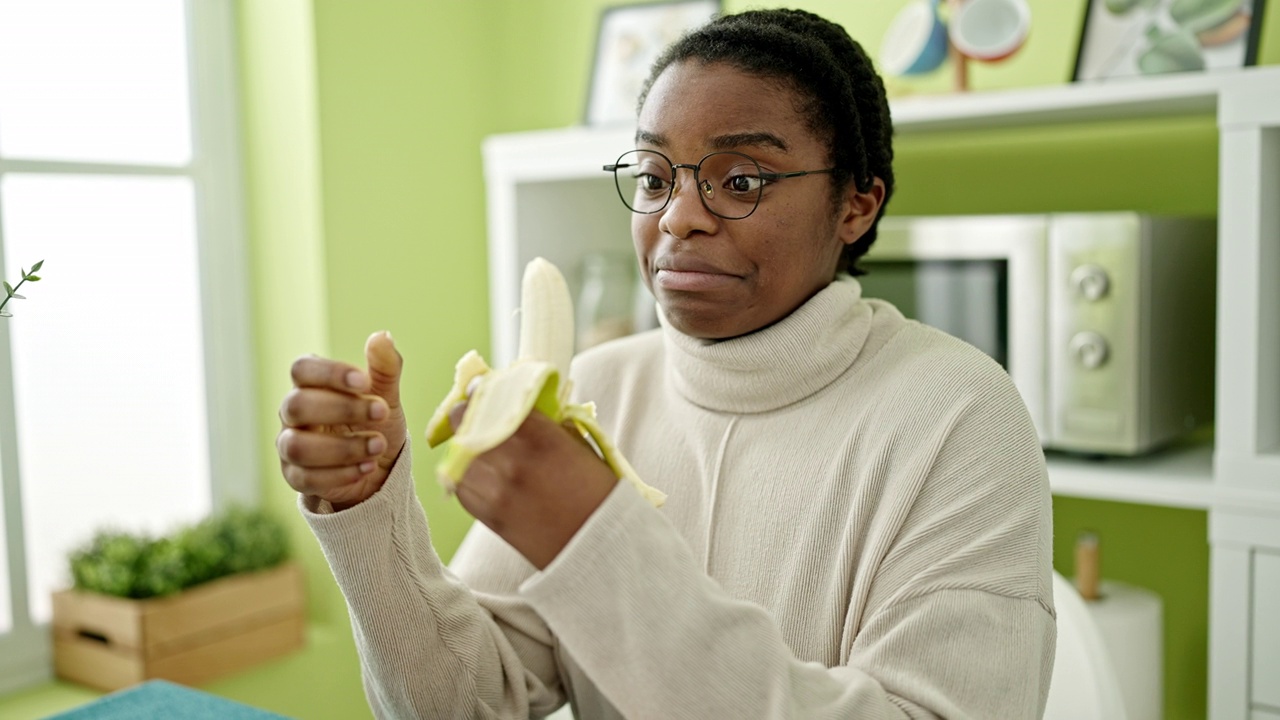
(202,633)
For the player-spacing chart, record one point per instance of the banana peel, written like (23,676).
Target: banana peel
(499,401)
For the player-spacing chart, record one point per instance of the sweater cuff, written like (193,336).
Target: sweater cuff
(579,562)
(378,512)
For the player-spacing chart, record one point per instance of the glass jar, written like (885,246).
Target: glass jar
(607,300)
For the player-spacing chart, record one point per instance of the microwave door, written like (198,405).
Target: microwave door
(968,299)
(979,278)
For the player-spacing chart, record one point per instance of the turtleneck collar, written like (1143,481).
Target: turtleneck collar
(775,366)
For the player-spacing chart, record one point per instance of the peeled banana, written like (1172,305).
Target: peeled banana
(498,401)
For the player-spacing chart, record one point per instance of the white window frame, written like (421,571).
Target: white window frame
(26,655)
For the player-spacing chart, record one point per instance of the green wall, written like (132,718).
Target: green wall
(362,129)
(1165,550)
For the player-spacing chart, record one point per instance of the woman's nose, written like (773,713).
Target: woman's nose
(685,213)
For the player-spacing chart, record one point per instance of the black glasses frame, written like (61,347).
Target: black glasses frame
(697,181)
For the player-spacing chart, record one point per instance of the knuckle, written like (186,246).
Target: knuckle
(382,378)
(290,447)
(294,476)
(282,439)
(293,407)
(298,369)
(353,411)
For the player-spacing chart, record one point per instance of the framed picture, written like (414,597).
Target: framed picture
(1132,38)
(629,40)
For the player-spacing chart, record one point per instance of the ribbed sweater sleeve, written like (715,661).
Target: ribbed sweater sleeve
(428,647)
(954,626)
(661,640)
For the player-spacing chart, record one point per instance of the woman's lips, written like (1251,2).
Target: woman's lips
(691,280)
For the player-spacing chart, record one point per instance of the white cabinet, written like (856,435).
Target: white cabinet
(548,196)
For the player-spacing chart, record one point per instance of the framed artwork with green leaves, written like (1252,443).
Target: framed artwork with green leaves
(1135,38)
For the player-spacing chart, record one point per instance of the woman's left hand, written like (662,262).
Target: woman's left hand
(537,488)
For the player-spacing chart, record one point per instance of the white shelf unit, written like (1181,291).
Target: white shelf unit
(1177,477)
(548,196)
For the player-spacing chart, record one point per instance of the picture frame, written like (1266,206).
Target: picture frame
(1139,38)
(628,40)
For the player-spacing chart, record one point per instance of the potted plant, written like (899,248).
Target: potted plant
(203,601)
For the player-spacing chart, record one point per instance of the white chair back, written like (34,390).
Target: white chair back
(1084,684)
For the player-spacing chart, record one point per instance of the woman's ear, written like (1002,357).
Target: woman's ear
(859,210)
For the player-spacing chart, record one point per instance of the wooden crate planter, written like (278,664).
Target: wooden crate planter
(195,636)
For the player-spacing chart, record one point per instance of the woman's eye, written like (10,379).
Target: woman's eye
(743,183)
(651,183)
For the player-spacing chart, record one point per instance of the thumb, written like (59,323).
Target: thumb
(385,364)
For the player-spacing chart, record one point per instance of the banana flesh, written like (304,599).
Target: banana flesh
(498,401)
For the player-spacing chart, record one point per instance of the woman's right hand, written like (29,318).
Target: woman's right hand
(342,428)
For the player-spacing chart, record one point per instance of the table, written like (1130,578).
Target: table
(156,699)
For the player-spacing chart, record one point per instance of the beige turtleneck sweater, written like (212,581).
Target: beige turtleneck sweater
(858,525)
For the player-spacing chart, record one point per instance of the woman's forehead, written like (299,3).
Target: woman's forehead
(721,107)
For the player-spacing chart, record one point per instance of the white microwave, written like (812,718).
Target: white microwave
(1105,321)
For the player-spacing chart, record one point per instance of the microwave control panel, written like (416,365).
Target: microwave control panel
(1131,313)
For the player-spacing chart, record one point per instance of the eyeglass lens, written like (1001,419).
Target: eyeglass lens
(728,183)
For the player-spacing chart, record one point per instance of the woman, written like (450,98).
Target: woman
(858,517)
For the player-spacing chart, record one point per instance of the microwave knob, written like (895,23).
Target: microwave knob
(1091,281)
(1090,349)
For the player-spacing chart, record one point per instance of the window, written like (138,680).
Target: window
(125,396)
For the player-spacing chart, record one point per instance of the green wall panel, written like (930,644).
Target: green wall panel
(1165,550)
(405,97)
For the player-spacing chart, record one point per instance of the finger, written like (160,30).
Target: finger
(482,490)
(385,364)
(322,481)
(455,415)
(320,450)
(304,407)
(313,371)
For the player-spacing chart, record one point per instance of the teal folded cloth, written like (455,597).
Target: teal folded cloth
(156,699)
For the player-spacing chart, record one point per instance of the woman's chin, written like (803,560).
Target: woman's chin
(702,324)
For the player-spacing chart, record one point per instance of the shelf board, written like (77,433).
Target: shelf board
(1181,476)
(1179,94)
(578,151)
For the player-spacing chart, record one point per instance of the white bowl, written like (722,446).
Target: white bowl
(990,30)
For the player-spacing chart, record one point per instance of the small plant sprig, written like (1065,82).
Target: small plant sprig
(11,291)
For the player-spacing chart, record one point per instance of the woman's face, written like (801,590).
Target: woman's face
(718,278)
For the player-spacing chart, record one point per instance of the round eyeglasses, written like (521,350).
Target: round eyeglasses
(730,184)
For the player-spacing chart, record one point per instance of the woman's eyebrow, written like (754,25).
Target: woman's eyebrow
(722,142)
(757,139)
(647,138)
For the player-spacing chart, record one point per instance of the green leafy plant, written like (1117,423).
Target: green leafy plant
(134,565)
(11,291)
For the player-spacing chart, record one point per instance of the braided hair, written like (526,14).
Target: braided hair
(842,97)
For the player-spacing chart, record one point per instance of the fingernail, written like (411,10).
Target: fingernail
(377,411)
(366,467)
(355,380)
(377,445)
(388,334)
